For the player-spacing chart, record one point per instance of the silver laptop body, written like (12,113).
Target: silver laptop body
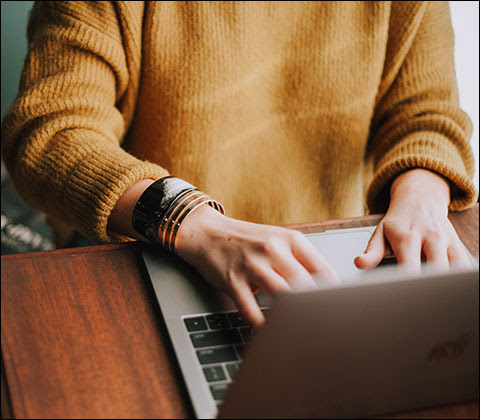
(355,351)
(182,293)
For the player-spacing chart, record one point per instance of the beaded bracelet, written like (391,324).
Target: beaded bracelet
(164,205)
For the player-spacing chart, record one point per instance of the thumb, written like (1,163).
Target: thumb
(374,252)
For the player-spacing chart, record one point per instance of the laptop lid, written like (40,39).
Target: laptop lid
(364,349)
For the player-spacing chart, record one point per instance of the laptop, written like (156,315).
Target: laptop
(363,350)
(210,338)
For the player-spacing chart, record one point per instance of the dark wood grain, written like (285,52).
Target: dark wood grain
(5,394)
(466,225)
(455,411)
(82,335)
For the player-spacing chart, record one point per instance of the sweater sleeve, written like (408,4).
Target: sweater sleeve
(418,122)
(61,137)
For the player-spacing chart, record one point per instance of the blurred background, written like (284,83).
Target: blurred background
(25,230)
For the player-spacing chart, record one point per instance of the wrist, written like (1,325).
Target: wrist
(120,220)
(164,206)
(196,229)
(421,184)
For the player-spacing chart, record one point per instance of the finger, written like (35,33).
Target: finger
(457,255)
(456,252)
(407,250)
(270,281)
(247,304)
(436,253)
(374,252)
(294,273)
(307,255)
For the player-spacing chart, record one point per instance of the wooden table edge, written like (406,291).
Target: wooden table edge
(307,227)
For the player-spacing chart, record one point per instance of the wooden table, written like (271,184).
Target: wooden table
(82,335)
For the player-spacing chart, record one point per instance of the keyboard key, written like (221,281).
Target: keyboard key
(217,321)
(215,338)
(218,391)
(247,333)
(196,324)
(388,261)
(218,355)
(237,320)
(214,373)
(232,369)
(240,349)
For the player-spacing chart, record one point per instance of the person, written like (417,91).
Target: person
(283,112)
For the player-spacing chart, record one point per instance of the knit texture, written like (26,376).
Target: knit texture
(285,112)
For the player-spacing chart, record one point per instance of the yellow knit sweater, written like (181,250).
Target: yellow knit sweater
(283,111)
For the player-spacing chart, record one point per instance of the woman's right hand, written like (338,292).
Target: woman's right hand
(241,258)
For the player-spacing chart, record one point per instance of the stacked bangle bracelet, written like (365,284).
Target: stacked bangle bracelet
(164,205)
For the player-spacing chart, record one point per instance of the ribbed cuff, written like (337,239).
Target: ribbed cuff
(97,183)
(427,150)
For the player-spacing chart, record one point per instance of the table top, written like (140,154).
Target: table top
(83,336)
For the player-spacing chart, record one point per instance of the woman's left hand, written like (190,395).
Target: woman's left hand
(416,226)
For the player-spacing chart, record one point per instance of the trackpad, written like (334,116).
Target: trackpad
(340,249)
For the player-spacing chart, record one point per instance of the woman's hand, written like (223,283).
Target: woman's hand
(416,226)
(241,257)
(234,256)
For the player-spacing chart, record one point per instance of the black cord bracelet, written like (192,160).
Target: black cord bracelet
(163,206)
(154,203)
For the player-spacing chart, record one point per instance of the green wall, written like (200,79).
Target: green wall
(14,47)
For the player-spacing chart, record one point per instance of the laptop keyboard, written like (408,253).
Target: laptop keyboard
(219,340)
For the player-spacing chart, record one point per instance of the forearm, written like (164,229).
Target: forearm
(418,122)
(120,220)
